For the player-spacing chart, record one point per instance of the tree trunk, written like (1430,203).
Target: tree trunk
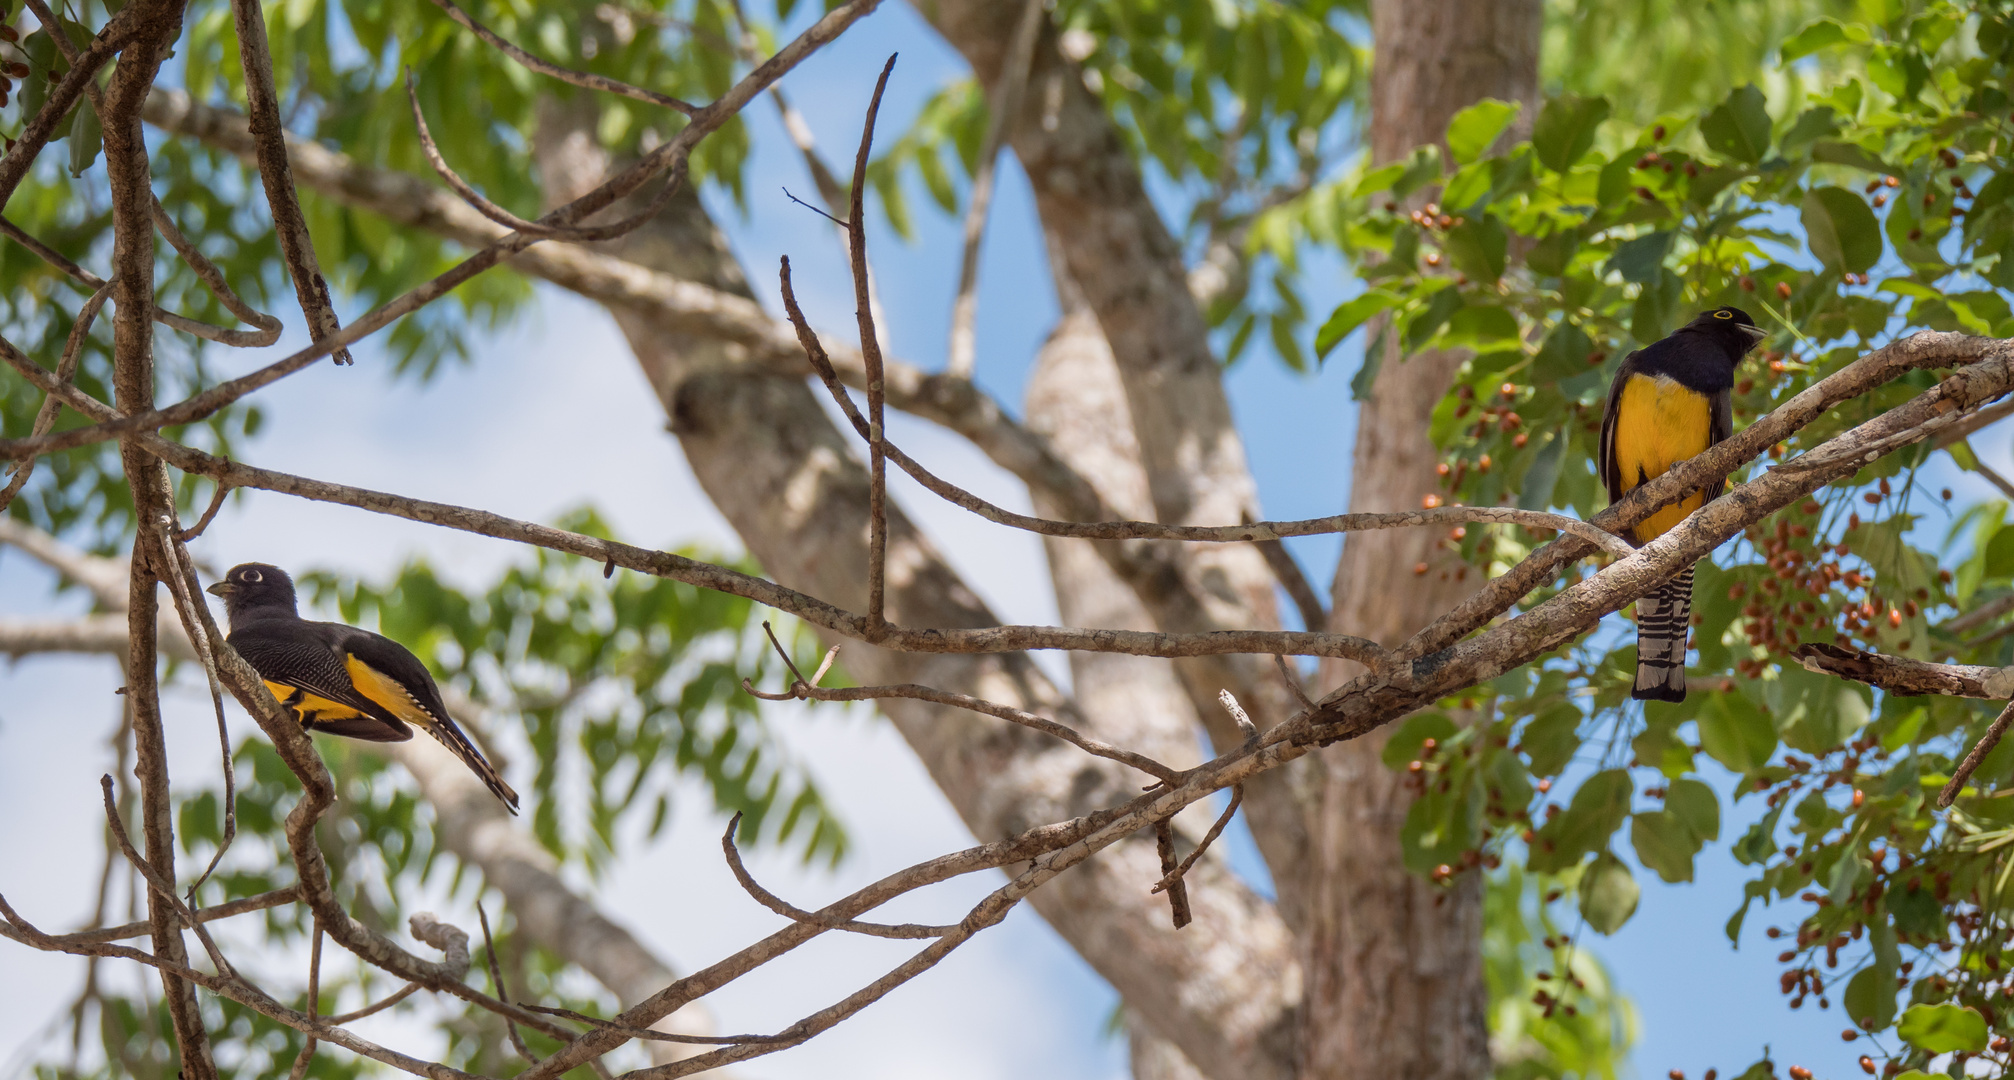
(1394,963)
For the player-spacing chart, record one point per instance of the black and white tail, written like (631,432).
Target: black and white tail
(459,745)
(1663,619)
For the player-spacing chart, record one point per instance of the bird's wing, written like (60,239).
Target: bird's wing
(293,655)
(390,675)
(1605,467)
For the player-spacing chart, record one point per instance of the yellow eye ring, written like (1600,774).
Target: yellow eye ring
(1723,314)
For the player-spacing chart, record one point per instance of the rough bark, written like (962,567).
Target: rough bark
(1394,964)
(775,466)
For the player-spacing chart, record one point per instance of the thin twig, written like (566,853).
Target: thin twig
(1993,476)
(801,690)
(583,79)
(396,996)
(906,931)
(815,210)
(870,349)
(290,225)
(1178,890)
(209,513)
(212,278)
(490,210)
(651,1034)
(63,95)
(1174,878)
(796,676)
(1002,109)
(1979,616)
(1238,715)
(825,665)
(180,573)
(497,984)
(307,1054)
(290,894)
(1293,682)
(1980,749)
(161,886)
(206,331)
(1288,572)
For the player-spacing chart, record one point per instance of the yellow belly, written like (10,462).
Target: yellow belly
(1659,423)
(306,704)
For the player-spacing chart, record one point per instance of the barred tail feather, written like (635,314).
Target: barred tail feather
(458,744)
(1662,621)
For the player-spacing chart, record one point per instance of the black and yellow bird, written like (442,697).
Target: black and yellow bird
(339,679)
(1670,401)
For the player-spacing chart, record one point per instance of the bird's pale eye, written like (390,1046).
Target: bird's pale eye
(1723,314)
(254,576)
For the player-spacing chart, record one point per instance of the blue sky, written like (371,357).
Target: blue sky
(562,372)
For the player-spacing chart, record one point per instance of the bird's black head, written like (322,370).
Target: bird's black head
(253,587)
(1731,327)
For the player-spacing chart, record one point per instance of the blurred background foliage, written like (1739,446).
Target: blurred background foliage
(1838,167)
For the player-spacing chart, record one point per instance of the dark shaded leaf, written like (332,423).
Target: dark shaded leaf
(1565,129)
(1738,127)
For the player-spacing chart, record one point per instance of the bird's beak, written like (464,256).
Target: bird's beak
(1755,333)
(223,589)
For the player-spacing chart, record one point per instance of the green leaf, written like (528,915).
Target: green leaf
(1405,743)
(1759,842)
(1822,34)
(1349,315)
(1696,805)
(1541,478)
(1563,354)
(1941,1029)
(1845,153)
(1841,230)
(1473,129)
(1899,567)
(1483,326)
(1598,809)
(87,137)
(1916,911)
(1639,260)
(1367,372)
(1664,844)
(1551,739)
(1422,168)
(1478,248)
(1812,125)
(1552,254)
(1565,129)
(1738,127)
(1656,310)
(1422,327)
(1608,894)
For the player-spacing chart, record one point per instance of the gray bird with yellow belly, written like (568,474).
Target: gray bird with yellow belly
(338,679)
(1670,401)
